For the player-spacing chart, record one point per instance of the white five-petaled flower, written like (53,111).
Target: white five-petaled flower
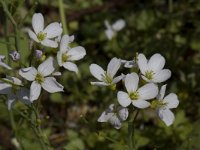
(136,96)
(3,64)
(42,35)
(11,87)
(114,28)
(40,78)
(66,55)
(164,104)
(115,115)
(106,77)
(152,70)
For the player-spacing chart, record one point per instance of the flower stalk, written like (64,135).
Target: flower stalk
(62,15)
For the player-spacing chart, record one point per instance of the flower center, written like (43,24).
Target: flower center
(134,95)
(149,74)
(41,36)
(65,57)
(39,78)
(107,78)
(158,103)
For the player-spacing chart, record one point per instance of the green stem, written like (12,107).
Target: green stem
(62,15)
(170,5)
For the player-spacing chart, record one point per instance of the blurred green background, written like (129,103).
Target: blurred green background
(169,27)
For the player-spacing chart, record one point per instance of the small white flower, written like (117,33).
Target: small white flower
(40,78)
(15,55)
(43,35)
(11,87)
(164,104)
(136,96)
(128,63)
(114,115)
(106,77)
(114,28)
(3,64)
(66,55)
(152,70)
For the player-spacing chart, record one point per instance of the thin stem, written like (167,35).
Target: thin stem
(62,15)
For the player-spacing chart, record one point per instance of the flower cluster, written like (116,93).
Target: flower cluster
(41,72)
(141,89)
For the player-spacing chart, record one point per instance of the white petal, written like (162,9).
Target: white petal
(53,30)
(47,67)
(97,71)
(162,92)
(49,43)
(123,114)
(119,25)
(171,100)
(5,65)
(24,96)
(131,82)
(71,66)
(113,67)
(114,120)
(156,62)
(123,99)
(107,24)
(5,88)
(57,73)
(28,73)
(64,43)
(51,85)
(166,115)
(38,22)
(11,101)
(76,53)
(162,76)
(33,36)
(140,103)
(35,91)
(145,79)
(14,80)
(109,33)
(118,78)
(142,63)
(105,115)
(99,83)
(148,91)
(59,58)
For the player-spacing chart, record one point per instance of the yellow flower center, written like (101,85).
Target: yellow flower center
(107,78)
(41,36)
(39,78)
(134,95)
(65,57)
(149,74)
(158,103)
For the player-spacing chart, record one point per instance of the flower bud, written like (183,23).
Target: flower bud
(15,55)
(38,54)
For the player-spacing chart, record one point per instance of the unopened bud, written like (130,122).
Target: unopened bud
(15,55)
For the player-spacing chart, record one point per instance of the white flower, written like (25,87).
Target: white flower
(15,55)
(66,55)
(114,115)
(152,70)
(11,87)
(43,35)
(128,63)
(106,77)
(136,96)
(164,104)
(40,78)
(3,64)
(114,28)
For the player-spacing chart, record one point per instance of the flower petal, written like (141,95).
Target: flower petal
(148,91)
(5,88)
(49,43)
(53,30)
(118,78)
(38,22)
(71,66)
(97,71)
(11,100)
(104,116)
(59,58)
(114,120)
(162,76)
(119,25)
(35,91)
(131,82)
(64,43)
(5,65)
(142,63)
(51,85)
(113,67)
(161,93)
(123,99)
(33,36)
(109,33)
(140,103)
(123,114)
(24,96)
(171,100)
(156,62)
(28,73)
(76,53)
(166,115)
(99,83)
(47,67)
